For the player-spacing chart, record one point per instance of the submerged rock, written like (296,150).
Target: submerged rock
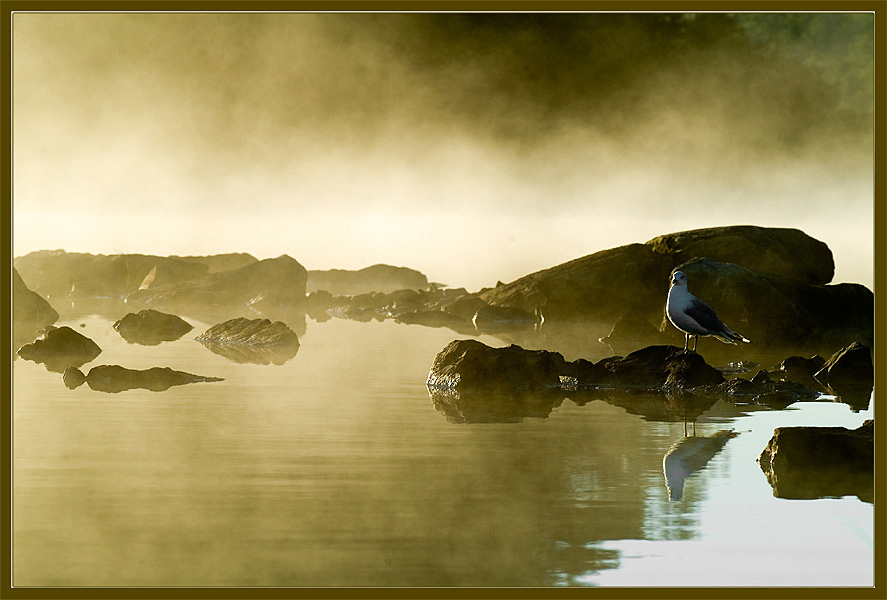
(689,455)
(251,341)
(816,462)
(114,378)
(60,348)
(150,327)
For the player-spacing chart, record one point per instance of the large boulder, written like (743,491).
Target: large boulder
(377,278)
(149,327)
(256,341)
(653,367)
(114,378)
(56,273)
(270,283)
(30,311)
(59,348)
(848,366)
(781,312)
(815,462)
(789,253)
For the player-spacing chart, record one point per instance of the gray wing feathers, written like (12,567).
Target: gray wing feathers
(705,315)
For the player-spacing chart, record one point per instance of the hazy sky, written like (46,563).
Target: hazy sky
(474,148)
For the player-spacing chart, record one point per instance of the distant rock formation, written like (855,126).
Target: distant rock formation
(377,278)
(60,348)
(216,263)
(150,327)
(274,282)
(114,378)
(814,462)
(256,341)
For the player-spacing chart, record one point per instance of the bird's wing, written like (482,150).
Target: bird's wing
(703,314)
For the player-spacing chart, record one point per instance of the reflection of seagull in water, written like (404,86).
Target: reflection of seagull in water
(693,316)
(688,456)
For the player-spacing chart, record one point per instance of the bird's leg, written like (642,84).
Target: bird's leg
(686,342)
(695,342)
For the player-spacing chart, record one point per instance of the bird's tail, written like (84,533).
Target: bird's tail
(731,337)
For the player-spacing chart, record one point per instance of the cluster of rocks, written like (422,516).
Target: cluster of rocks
(63,350)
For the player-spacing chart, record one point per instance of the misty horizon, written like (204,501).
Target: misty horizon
(473,148)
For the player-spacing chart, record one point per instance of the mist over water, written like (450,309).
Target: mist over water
(474,148)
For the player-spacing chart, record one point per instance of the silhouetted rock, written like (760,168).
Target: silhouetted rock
(815,462)
(114,378)
(251,341)
(494,406)
(789,253)
(799,369)
(377,278)
(465,307)
(654,367)
(782,272)
(56,273)
(689,455)
(469,365)
(60,348)
(29,309)
(632,329)
(216,263)
(762,389)
(275,282)
(150,327)
(849,366)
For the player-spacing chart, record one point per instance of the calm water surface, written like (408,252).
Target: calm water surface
(336,469)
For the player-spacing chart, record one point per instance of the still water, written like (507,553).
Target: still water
(336,469)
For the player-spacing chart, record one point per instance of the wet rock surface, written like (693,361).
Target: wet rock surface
(258,341)
(150,327)
(114,378)
(60,348)
(814,462)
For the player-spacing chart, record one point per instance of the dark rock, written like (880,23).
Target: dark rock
(789,253)
(377,278)
(267,284)
(689,455)
(60,348)
(150,327)
(849,366)
(816,462)
(800,369)
(251,341)
(761,389)
(469,365)
(114,378)
(56,273)
(73,377)
(466,307)
(29,309)
(738,367)
(493,406)
(666,367)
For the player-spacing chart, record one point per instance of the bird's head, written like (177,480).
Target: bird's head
(678,278)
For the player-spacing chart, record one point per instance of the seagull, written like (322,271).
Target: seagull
(693,316)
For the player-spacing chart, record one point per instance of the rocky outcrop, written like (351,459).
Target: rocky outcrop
(216,263)
(271,283)
(150,327)
(689,455)
(815,462)
(60,274)
(762,389)
(115,379)
(850,366)
(740,271)
(377,278)
(654,367)
(788,253)
(30,312)
(256,341)
(60,348)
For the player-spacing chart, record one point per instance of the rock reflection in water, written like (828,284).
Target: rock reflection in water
(259,355)
(689,455)
(494,407)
